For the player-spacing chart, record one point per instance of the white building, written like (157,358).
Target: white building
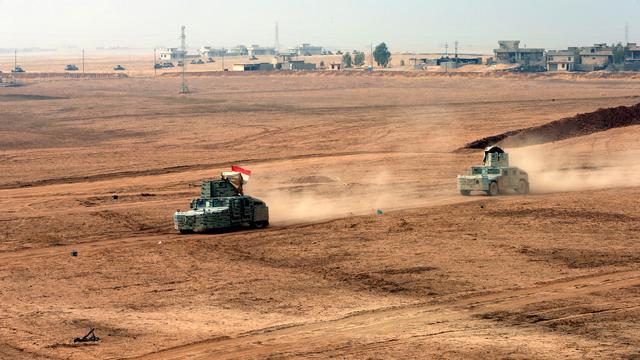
(257,50)
(306,50)
(207,52)
(171,54)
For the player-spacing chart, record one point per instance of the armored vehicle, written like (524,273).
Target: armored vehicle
(17,69)
(495,176)
(157,66)
(119,68)
(167,64)
(222,205)
(71,67)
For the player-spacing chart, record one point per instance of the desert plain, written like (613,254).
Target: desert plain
(371,254)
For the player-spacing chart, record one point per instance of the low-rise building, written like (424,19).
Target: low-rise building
(257,50)
(563,60)
(171,54)
(207,52)
(239,50)
(285,62)
(633,53)
(306,50)
(510,52)
(252,67)
(596,57)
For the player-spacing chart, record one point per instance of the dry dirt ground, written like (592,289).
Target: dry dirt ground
(547,275)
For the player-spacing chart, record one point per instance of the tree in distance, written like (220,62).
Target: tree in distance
(346,60)
(358,58)
(381,55)
(619,53)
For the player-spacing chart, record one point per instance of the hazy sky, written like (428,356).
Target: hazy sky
(405,25)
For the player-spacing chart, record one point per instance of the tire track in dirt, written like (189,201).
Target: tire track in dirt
(182,168)
(381,325)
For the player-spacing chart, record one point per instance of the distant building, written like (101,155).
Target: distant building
(207,52)
(239,50)
(171,54)
(596,57)
(252,67)
(306,50)
(257,50)
(634,52)
(421,63)
(510,52)
(563,60)
(285,62)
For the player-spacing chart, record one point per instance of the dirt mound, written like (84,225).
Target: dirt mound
(579,125)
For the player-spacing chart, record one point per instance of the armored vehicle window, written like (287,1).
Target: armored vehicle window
(494,171)
(477,171)
(220,202)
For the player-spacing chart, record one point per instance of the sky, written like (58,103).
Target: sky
(405,25)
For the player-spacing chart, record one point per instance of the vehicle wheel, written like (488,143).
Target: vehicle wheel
(265,223)
(465,192)
(523,187)
(493,189)
(186,232)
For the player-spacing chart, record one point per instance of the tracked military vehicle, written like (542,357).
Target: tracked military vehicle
(222,205)
(495,176)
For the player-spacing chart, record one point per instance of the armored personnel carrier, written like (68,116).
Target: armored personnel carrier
(222,205)
(495,176)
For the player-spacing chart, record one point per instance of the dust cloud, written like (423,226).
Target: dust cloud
(559,170)
(320,197)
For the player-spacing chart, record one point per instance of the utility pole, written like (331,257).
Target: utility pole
(456,50)
(626,33)
(155,70)
(371,60)
(446,55)
(183,42)
(82,61)
(15,59)
(277,44)
(222,58)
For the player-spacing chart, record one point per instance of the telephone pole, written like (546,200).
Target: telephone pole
(155,69)
(277,44)
(626,33)
(222,58)
(184,89)
(446,55)
(82,61)
(371,60)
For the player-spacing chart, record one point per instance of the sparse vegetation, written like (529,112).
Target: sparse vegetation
(382,55)
(346,60)
(358,58)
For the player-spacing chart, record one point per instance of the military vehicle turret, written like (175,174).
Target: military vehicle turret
(495,176)
(222,205)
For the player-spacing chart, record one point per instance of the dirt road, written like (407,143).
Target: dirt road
(99,167)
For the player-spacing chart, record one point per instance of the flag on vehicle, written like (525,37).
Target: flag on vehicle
(246,174)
